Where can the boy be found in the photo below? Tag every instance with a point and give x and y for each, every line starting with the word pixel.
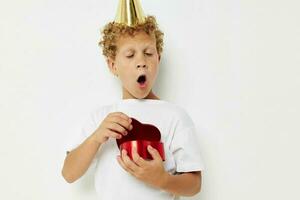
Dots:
pixel 132 45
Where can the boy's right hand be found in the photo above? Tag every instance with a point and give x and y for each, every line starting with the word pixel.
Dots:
pixel 114 125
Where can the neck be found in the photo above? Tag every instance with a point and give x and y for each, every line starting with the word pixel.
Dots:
pixel 151 95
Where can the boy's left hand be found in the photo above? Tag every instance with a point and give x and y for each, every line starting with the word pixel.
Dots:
pixel 151 172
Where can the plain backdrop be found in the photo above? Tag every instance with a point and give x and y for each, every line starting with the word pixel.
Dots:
pixel 232 64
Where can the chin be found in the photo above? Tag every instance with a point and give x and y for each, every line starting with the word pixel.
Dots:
pixel 136 93
pixel 141 96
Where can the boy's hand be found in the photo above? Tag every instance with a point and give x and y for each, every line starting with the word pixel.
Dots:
pixel 114 125
pixel 151 172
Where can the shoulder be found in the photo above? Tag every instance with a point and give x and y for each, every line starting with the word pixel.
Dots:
pixel 100 112
pixel 103 109
pixel 180 114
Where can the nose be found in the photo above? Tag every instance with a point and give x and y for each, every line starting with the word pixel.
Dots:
pixel 141 65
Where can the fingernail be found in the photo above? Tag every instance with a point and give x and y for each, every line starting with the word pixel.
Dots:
pixel 125 133
pixel 131 127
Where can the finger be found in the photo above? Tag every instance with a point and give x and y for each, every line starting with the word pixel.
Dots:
pixel 119 120
pixel 154 153
pixel 123 115
pixel 116 127
pixel 113 134
pixel 137 158
pixel 121 162
pixel 128 162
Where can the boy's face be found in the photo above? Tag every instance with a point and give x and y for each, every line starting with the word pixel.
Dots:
pixel 136 55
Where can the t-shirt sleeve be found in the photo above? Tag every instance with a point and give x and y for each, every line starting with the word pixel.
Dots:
pixel 78 137
pixel 87 128
pixel 185 147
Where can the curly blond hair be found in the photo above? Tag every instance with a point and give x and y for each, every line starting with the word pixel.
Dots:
pixel 112 31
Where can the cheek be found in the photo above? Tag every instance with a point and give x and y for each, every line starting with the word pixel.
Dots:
pixel 154 63
pixel 121 66
pixel 125 73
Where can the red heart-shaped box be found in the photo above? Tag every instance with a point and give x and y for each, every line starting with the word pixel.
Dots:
pixel 141 148
pixel 141 136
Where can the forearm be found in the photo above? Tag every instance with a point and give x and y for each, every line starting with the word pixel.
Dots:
pixel 77 161
pixel 186 184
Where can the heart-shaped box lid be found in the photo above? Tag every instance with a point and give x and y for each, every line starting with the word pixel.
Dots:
pixel 140 131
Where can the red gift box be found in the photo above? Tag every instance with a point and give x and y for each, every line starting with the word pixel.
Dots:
pixel 141 136
pixel 141 148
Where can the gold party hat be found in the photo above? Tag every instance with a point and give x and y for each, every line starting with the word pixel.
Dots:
pixel 130 13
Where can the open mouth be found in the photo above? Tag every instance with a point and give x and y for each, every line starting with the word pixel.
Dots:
pixel 141 79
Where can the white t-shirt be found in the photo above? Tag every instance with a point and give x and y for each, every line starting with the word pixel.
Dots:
pixel 177 133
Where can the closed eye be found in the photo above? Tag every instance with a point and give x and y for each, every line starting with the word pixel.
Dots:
pixel 149 54
pixel 130 56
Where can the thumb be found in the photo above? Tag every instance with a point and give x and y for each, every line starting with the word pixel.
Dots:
pixel 154 153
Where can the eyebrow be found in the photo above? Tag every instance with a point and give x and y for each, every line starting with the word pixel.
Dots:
pixel 132 49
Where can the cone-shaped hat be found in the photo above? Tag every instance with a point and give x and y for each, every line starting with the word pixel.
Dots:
pixel 130 12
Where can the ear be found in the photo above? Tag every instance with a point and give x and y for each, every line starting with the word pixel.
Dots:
pixel 111 65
